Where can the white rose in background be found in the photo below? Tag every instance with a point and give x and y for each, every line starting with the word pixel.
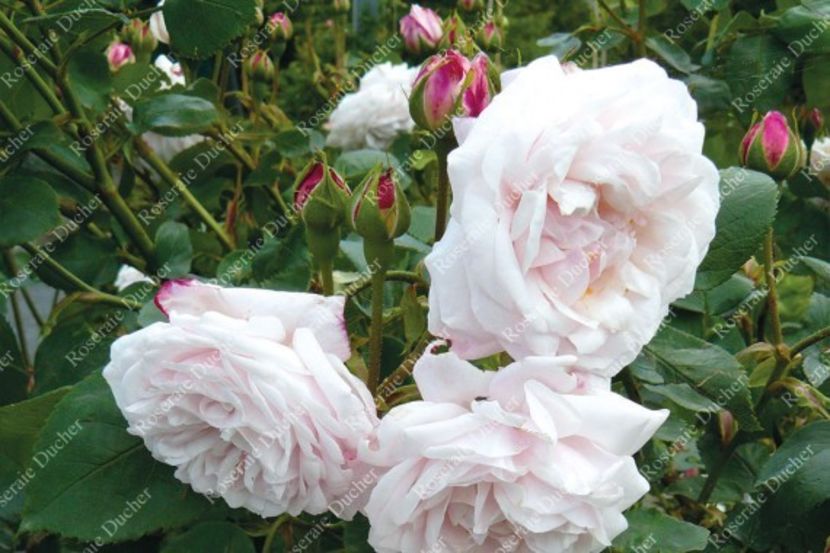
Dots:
pixel 377 112
pixel 820 160
pixel 127 276
pixel 533 458
pixel 582 206
pixel 158 27
pixel 245 392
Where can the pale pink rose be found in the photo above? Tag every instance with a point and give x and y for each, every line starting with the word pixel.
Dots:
pixel 582 206
pixel 533 458
pixel 245 392
pixel 421 29
pixel 157 25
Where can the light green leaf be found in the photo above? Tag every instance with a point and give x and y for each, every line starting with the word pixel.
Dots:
pixel 655 532
pixel 174 115
pixel 174 249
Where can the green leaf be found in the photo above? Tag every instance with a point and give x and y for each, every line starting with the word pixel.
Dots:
pixel 748 203
pixel 21 422
pixel 414 316
pixel 760 71
pixel 816 81
pixel 283 263
pixel 819 267
pixel 794 293
pixel 795 484
pixel 28 209
pixel 684 396
pixel 711 371
pixel 90 472
pixel 174 115
pixel 73 351
pixel 655 532
pixel 90 258
pixel 211 537
pixel 13 377
pixel 805 28
pixel 671 53
pixel 198 28
pixel 90 78
pixel 174 249
pixel 356 535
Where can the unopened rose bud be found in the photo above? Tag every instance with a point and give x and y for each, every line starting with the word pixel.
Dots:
pixel 380 213
pixel 139 37
pixel 490 36
pixel 455 32
pixel 259 67
pixel 471 5
pixel 773 148
pixel 726 426
pixel 280 28
pixel 421 30
pixel 342 6
pixel 449 84
pixel 119 54
pixel 321 197
pixel 810 123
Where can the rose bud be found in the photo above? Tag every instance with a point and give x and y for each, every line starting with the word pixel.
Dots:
pixel 490 36
pixel 455 32
pixel 259 67
pixel 119 54
pixel 726 427
pixel 380 213
pixel 471 5
pixel 321 197
pixel 449 84
pixel 138 35
pixel 421 30
pixel 810 123
pixel 773 148
pixel 280 28
pixel 342 6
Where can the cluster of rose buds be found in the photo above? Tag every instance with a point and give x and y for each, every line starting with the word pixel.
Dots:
pixel 771 146
pixel 450 85
pixel 424 31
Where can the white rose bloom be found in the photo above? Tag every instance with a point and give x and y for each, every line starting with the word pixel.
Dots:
pixel 245 392
pixel 820 160
pixel 582 206
pixel 377 112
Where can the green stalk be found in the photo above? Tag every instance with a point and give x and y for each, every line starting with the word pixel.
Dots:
pixel 11 263
pixel 376 331
pixel 42 87
pixel 76 281
pixel 327 276
pixel 175 182
pixel 26 45
pixel 772 290
pixel 443 202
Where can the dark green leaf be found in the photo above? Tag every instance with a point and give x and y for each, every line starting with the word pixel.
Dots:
pixel 174 115
pixel 748 203
pixel 174 249
pixel 211 537
pixel 652 531
pixel 90 472
pixel 760 71
pixel 28 209
pixel 198 28
pixel 805 29
pixel 711 371
pixel 74 351
pixel 671 53
pixel 13 377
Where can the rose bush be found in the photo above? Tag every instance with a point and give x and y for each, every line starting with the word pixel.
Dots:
pixel 354 276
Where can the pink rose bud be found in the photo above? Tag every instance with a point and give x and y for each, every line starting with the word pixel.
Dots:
pixel 119 54
pixel 139 37
pixel 449 84
pixel 280 27
pixel 259 67
pixel 490 36
pixel 773 148
pixel 810 123
pixel 321 197
pixel 455 32
pixel 470 5
pixel 421 29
